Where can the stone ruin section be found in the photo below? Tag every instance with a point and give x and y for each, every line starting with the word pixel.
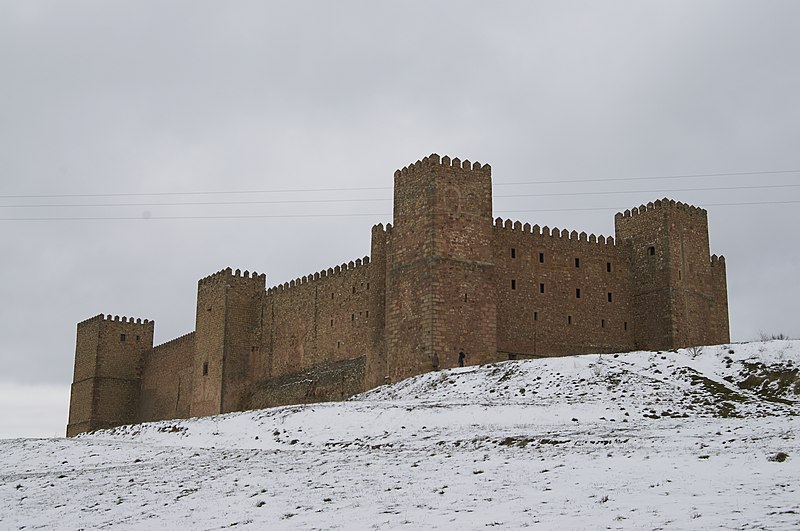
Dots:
pixel 445 285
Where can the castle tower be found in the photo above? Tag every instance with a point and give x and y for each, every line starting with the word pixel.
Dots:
pixel 440 294
pixel 227 335
pixel 105 384
pixel 679 299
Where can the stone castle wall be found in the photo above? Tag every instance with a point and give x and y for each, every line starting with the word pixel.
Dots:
pixel 444 285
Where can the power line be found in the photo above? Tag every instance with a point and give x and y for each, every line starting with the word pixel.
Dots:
pixel 364 188
pixel 368 200
pixel 380 215
pixel 652 177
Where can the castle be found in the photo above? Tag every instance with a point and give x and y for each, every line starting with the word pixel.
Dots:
pixel 443 286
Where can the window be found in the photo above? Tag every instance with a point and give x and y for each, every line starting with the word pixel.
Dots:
pixel 137 338
pixel 331 323
pixel 513 253
pixel 651 250
pixel 610 297
pixel 353 317
pixel 338 344
pixel 354 289
pixel 577 262
pixel 461 357
pixel 367 314
pixel 535 316
pixel 569 319
pixel 541 258
pixel 626 325
pixel 122 338
pixel 602 323
pixel 331 295
pixel 465 297
pixel 577 293
pixel 541 288
pixel 513 284
pixel 367 286
pixel 608 267
pixel 205 368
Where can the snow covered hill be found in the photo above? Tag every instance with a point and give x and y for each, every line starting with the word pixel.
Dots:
pixel 689 440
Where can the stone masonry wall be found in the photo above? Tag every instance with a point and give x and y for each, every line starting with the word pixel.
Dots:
pixel 560 293
pixel 166 387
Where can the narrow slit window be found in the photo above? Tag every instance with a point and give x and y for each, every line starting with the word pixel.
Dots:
pixel 651 250
pixel 367 314
pixel 513 253
pixel 535 316
pixel 541 288
pixel 577 293
pixel 353 317
pixel 465 297
pixel 205 368
pixel 577 262
pixel 625 325
pixel 541 258
pixel 610 297
pixel 569 319
pixel 331 323
pixel 608 267
pixel 367 286
pixel 354 289
pixel 122 338
pixel 513 284
pixel 602 323
pixel 338 344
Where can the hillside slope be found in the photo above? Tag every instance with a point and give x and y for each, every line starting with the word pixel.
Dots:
pixel 637 440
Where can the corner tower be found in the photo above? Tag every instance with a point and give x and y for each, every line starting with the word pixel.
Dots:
pixel 678 291
pixel 440 295
pixel 105 384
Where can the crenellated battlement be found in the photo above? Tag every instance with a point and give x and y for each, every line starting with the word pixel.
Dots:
pixel 117 319
pixel 660 204
pixel 178 339
pixel 717 261
pixel 237 275
pixel 331 272
pixel 565 235
pixel 435 161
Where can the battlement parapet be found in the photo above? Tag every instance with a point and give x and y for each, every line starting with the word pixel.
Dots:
pixel 659 205
pixel 565 235
pixel 178 339
pixel 717 261
pixel 345 268
pixel 435 161
pixel 237 276
pixel 117 319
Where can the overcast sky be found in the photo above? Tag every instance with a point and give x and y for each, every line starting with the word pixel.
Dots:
pixel 139 97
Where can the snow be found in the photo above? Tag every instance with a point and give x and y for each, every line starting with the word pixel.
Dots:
pixel 638 440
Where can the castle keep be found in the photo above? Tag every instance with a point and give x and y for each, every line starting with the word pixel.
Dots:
pixel 444 285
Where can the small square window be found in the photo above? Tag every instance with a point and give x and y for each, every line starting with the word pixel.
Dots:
pixel 651 251
pixel 122 338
